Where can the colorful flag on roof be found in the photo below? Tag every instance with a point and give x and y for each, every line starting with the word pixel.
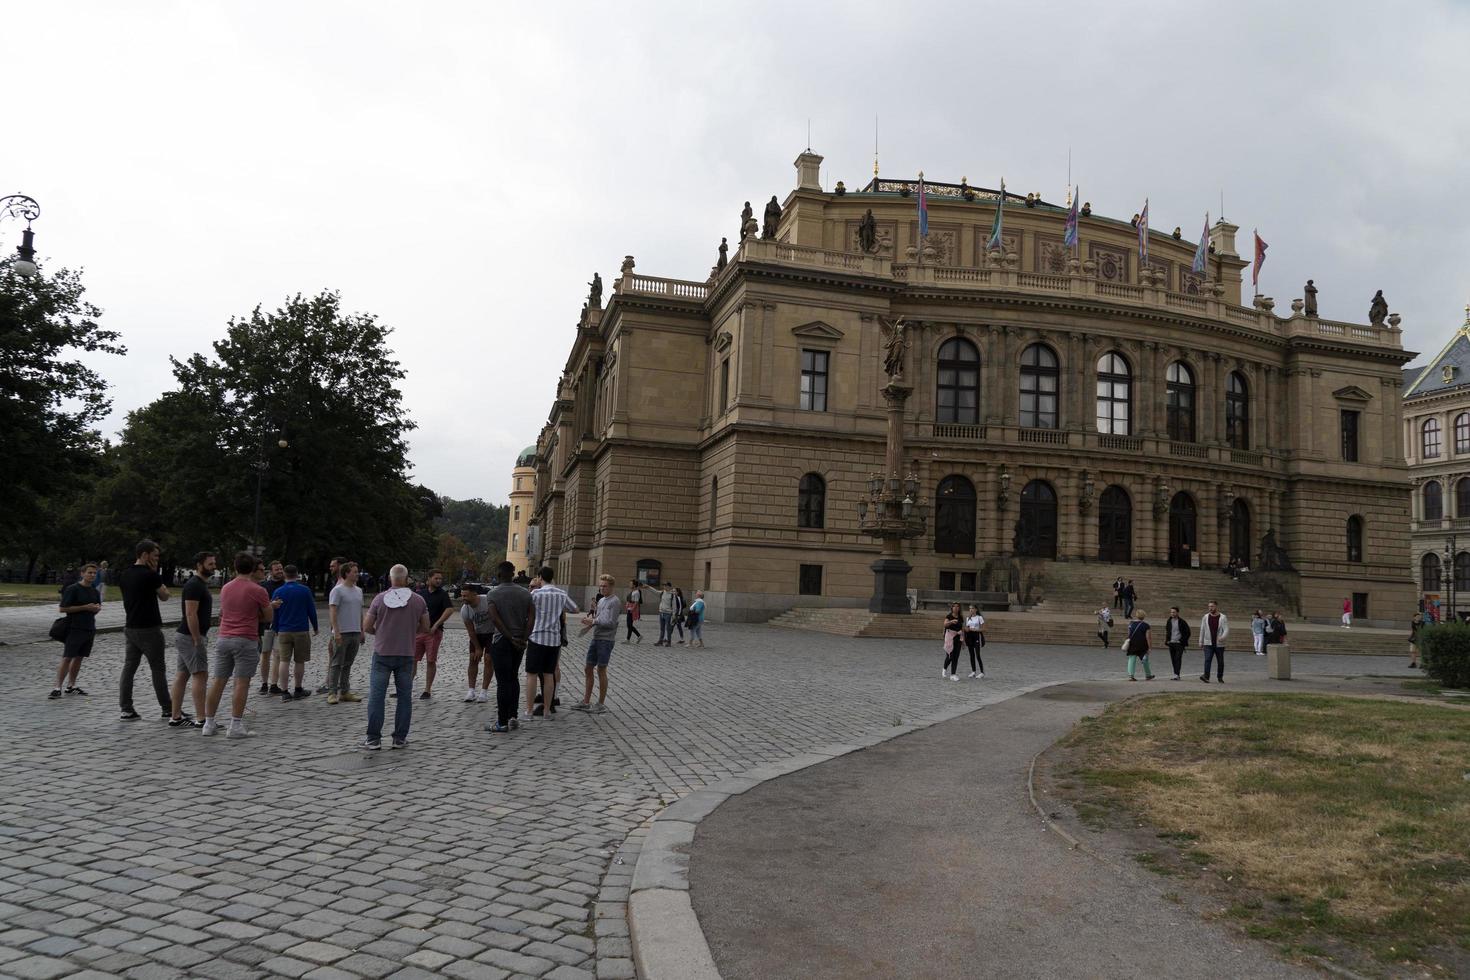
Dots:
pixel 1260 258
pixel 1204 247
pixel 995 227
pixel 923 208
pixel 1143 233
pixel 1069 237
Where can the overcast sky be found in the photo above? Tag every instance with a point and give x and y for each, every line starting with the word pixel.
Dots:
pixel 461 169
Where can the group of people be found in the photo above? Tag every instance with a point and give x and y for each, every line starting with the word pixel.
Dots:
pixel 266 613
pixel 1214 627
pixel 673 614
pixel 1125 596
pixel 963 629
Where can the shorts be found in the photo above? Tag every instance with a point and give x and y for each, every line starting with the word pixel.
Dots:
pixel 293 646
pixel 542 659
pixel 484 640
pixel 599 652
pixel 234 656
pixel 78 643
pixel 193 658
pixel 427 645
pixel 267 641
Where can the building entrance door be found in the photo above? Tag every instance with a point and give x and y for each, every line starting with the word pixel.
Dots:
pixel 1115 527
pixel 1183 537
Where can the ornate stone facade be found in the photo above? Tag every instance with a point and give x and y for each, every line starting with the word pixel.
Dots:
pixel 721 434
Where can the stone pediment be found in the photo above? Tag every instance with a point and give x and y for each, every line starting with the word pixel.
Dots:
pixel 723 341
pixel 1352 393
pixel 817 330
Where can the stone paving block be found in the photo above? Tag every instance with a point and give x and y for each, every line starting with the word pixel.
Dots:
pixel 218 969
pixel 287 967
pixel 55 946
pixel 388 949
pixel 515 962
pixel 411 973
pixel 329 973
pixel 153 971
pixel 118 962
pixel 570 973
pixel 317 952
pixel 428 959
pixel 459 948
pixel 38 968
pixel 182 957
pixel 616 969
pixel 554 952
pixel 469 970
pixel 366 965
pixel 240 931
pixel 179 934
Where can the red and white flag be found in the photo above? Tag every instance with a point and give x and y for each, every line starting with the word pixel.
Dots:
pixel 1260 259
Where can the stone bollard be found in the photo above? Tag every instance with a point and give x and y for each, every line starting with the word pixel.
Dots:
pixel 1278 661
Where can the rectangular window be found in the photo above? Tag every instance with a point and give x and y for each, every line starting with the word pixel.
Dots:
pixel 1360 605
pixel 1348 424
pixel 518 512
pixel 706 576
pixel 946 581
pixel 810 580
pixel 814 380
pixel 515 543
pixel 724 385
pixel 967 581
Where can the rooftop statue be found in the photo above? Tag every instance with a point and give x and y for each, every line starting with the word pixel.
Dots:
pixel 868 232
pixel 773 218
pixel 895 346
pixel 747 222
pixel 1378 312
pixel 594 296
pixel 1310 299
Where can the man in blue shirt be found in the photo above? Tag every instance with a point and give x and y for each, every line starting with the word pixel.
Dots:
pixel 293 643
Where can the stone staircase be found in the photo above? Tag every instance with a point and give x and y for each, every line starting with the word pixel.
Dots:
pixel 1079 588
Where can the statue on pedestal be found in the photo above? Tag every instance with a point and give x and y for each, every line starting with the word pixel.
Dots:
pixel 1273 556
pixel 895 346
pixel 1378 312
pixel 724 255
pixel 747 221
pixel 867 232
pixel 1309 299
pixel 773 218
pixel 594 297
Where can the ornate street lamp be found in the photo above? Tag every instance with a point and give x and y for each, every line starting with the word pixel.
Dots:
pixel 21 206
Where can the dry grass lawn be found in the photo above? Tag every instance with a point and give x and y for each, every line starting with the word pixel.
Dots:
pixel 1348 819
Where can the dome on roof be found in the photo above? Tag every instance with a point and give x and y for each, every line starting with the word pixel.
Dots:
pixel 527 457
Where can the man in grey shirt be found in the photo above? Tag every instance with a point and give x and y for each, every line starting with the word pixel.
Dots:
pixel 344 605
pixel 602 619
pixel 510 611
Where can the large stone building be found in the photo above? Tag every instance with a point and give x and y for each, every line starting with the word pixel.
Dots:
pixel 1436 409
pixel 1069 405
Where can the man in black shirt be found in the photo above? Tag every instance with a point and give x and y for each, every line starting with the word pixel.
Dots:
pixel 276 579
pixel 80 604
pixel 190 642
pixel 142 587
pixel 426 645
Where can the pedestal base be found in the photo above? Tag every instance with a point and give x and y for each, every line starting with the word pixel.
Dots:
pixel 1278 662
pixel 890 586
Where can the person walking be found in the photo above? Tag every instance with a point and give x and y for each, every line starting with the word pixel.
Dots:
pixel 954 622
pixel 479 627
pixel 678 614
pixel 1104 624
pixel 397 615
pixel 543 648
pixel 426 645
pixel 1130 598
pixel 602 619
pixel 511 611
pixel 1213 629
pixel 329 582
pixel 344 614
pixel 1347 612
pixel 1414 626
pixel 243 606
pixel 80 604
pixel 1258 633
pixel 974 637
pixel 696 619
pixel 1176 636
pixel 191 643
pixel 665 616
pixel 295 614
pixel 142 587
pixel 635 611
pixel 275 580
pixel 1137 646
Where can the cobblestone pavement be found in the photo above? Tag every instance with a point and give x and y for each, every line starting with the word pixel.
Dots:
pixel 131 849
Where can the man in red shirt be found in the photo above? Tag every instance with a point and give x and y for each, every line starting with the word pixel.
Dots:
pixel 243 606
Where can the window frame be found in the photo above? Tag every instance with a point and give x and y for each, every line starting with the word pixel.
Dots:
pixel 1180 398
pixel 1426 561
pixel 1462 433
pixel 804 572
pixel 1431 438
pixel 809 399
pixel 1437 497
pixel 951 494
pixel 1113 380
pixel 1237 411
pixel 1031 415
pixel 956 367
pixel 811 502
pixel 1348 427
pixel 1355 535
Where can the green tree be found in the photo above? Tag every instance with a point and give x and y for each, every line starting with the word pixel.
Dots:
pixel 49 402
pixel 481 526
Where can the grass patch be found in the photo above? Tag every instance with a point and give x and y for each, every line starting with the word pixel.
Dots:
pixel 1346 821
pixel 28 594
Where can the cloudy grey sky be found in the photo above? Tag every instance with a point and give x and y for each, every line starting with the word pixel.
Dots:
pixel 461 169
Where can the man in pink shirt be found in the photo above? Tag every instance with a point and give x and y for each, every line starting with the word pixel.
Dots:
pixel 243 606
pixel 396 616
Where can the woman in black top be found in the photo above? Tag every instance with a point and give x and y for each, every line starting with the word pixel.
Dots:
pixel 80 604
pixel 1415 625
pixel 635 611
pixel 1137 646
pixel 953 625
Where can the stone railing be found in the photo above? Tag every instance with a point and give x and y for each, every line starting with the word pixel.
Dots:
pixel 655 286
pixel 783 253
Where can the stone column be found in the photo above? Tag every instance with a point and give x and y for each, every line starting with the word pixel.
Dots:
pixel 1216 399
pixel 1146 421
pixel 1067 527
pixel 1161 524
pixel 1071 407
pixel 992 367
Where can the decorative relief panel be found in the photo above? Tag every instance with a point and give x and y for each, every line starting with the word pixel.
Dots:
pixel 1112 263
pixel 1191 282
pixel 944 239
pixel 887 234
pixel 1010 242
pixel 1051 255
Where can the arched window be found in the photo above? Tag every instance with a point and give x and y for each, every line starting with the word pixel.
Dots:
pixel 1039 387
pixel 1179 390
pixel 1114 395
pixel 958 389
pixel 1433 501
pixel 1355 538
pixel 811 501
pixel 1183 531
pixel 1429 568
pixel 1237 412
pixel 1462 571
pixel 1240 531
pixel 954 516
pixel 1115 526
pixel 1036 531
pixel 1431 438
pixel 1462 498
pixel 1462 433
pixel 714 500
pixel 650 571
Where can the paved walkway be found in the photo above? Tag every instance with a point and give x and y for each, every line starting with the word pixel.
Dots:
pixel 131 849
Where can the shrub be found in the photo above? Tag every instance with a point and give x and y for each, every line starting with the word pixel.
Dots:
pixel 1445 652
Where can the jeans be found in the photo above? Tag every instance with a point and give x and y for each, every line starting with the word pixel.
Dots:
pixel 506 660
pixel 665 627
pixel 401 670
pixel 632 630
pixel 339 675
pixel 1176 655
pixel 972 644
pixel 1133 664
pixel 696 630
pixel 1218 653
pixel 144 642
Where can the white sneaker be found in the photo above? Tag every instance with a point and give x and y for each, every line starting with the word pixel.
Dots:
pixel 527 716
pixel 209 727
pixel 240 732
pixel 470 694
pixel 972 673
pixel 482 696
pixel 980 674
pixel 954 677
pixel 943 672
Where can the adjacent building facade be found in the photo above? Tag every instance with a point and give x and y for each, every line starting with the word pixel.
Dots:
pixel 522 501
pixel 1070 404
pixel 1436 409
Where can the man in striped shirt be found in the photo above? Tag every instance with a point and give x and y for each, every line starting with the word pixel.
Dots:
pixel 543 648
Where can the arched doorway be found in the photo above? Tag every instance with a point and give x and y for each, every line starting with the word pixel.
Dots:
pixel 954 516
pixel 1115 526
pixel 1036 531
pixel 1240 531
pixel 1183 531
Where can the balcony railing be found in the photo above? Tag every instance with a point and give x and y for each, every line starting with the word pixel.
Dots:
pixel 1046 437
pixel 1188 450
pixel 1131 444
pixel 958 431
